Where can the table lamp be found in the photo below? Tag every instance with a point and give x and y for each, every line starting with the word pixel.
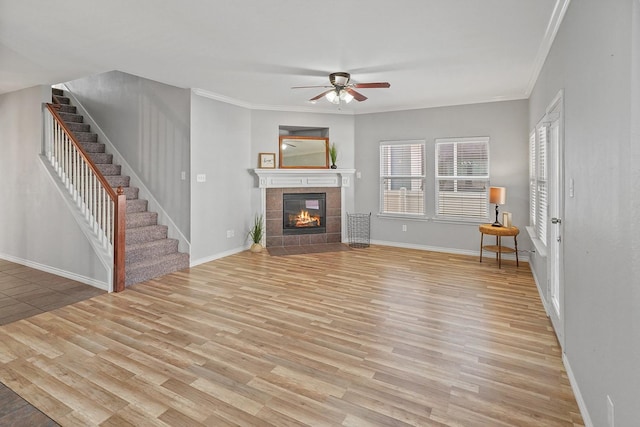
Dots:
pixel 497 195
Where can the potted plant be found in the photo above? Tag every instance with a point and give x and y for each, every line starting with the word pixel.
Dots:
pixel 333 153
pixel 256 233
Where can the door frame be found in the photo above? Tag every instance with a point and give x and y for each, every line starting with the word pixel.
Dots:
pixel 554 118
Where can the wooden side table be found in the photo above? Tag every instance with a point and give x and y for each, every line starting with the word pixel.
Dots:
pixel 499 232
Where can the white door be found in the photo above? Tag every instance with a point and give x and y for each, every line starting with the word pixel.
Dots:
pixel 555 217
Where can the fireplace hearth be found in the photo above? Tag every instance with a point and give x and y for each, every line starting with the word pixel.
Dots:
pixel 303 213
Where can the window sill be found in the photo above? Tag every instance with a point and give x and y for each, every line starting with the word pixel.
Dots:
pixel 424 218
pixel 403 217
pixel 540 248
pixel 461 221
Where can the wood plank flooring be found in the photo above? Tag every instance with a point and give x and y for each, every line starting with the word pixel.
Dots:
pixel 370 337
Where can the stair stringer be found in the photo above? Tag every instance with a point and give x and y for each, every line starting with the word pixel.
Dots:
pixel 144 193
pixel 104 254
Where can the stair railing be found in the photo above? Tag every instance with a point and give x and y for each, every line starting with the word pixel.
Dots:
pixel 103 207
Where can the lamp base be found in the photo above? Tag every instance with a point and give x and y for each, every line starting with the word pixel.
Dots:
pixel 496 223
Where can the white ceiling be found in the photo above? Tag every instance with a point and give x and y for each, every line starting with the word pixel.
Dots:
pixel 250 53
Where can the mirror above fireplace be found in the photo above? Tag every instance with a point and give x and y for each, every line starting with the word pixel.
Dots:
pixel 303 147
pixel 300 152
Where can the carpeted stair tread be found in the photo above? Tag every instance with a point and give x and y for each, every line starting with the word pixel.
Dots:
pixel 70 117
pixel 118 180
pixel 130 192
pixel 141 219
pixel 62 99
pixel 86 137
pixel 145 234
pixel 109 169
pixel 56 91
pixel 140 251
pixel 65 108
pixel 92 147
pixel 78 127
pixel 101 157
pixel 136 205
pixel 156 267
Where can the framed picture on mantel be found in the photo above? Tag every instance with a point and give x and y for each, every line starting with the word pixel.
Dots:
pixel 267 160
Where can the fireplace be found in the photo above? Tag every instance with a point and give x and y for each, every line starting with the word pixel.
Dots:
pixel 303 213
pixel 274 210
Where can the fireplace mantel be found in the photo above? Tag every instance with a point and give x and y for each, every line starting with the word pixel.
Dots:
pixel 300 178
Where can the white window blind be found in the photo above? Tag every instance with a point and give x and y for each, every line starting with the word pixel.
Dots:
pixel 402 177
pixel 532 180
pixel 462 178
pixel 542 186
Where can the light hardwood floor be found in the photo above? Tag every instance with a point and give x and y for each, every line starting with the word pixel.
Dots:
pixel 367 337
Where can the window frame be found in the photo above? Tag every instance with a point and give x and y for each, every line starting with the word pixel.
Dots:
pixel 456 177
pixel 382 212
pixel 539 183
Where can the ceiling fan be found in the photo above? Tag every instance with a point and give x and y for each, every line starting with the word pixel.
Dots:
pixel 342 89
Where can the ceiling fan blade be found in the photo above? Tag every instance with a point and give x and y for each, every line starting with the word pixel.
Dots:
pixel 315 98
pixel 371 85
pixel 356 95
pixel 307 87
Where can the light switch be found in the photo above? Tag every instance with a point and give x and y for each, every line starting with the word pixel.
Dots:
pixel 571 188
pixel 201 177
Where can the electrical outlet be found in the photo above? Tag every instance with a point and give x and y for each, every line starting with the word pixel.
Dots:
pixel 230 234
pixel 183 175
pixel 359 175
pixel 404 227
pixel 610 417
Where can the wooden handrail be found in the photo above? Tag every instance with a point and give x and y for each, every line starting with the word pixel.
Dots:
pixel 117 197
pixel 112 193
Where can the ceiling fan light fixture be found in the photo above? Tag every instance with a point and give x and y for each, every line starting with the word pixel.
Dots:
pixel 346 96
pixel 333 97
pixel 339 79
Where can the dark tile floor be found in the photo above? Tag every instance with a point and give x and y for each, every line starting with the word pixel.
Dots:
pixel 25 292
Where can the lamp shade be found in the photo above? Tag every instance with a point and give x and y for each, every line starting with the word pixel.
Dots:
pixel 497 195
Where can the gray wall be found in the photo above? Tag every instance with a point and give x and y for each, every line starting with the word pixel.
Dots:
pixel 36 228
pixel 221 150
pixel 148 123
pixel 505 123
pixel 591 59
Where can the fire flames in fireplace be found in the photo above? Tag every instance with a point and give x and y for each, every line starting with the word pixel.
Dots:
pixel 303 213
pixel 303 219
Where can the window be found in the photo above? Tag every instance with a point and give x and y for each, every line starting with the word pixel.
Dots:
pixel 402 177
pixel 533 182
pixel 538 192
pixel 462 178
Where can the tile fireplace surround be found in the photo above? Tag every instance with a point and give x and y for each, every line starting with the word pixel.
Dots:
pixel 274 183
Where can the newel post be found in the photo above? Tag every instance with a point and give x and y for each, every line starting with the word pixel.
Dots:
pixel 120 207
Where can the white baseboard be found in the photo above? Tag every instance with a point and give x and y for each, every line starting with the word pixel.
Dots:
pixel 53 270
pixel 443 249
pixel 576 391
pixel 214 257
pixel 542 298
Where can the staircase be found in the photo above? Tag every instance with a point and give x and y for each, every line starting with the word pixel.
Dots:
pixel 149 253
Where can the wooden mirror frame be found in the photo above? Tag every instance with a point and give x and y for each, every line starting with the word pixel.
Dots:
pixel 315 160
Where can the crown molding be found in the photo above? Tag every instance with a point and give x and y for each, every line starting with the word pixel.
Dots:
pixel 559 10
pixel 228 100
